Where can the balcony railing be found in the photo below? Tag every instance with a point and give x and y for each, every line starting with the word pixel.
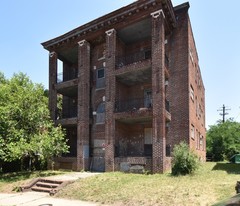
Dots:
pixel 135 104
pixel 69 113
pixel 63 77
pixel 132 105
pixel 136 57
pixel 131 58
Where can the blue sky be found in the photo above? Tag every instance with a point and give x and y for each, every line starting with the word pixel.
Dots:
pixel 25 24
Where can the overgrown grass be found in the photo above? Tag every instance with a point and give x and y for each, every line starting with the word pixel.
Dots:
pixel 10 181
pixel 212 183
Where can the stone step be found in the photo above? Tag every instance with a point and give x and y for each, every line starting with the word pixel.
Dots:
pixel 41 189
pixel 47 184
pixel 51 181
pixel 50 186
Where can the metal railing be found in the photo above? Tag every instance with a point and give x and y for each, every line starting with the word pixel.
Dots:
pixel 131 58
pixel 135 104
pixel 132 104
pixel 63 77
pixel 69 112
pixel 135 57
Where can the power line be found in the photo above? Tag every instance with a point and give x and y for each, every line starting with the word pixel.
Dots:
pixel 224 113
pixel 238 115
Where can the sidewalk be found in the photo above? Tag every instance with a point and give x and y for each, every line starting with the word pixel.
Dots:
pixel 38 199
pixel 44 199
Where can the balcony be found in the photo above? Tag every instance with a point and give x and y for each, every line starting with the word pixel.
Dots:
pixel 132 105
pixel 67 113
pixel 132 58
pixel 136 104
pixel 63 77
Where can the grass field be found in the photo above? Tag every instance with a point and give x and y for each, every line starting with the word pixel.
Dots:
pixel 212 183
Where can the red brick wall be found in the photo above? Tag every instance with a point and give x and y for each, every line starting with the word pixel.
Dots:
pixel 197 104
pixel 83 106
pixel 178 82
pixel 130 139
pixel 158 90
pixel 183 68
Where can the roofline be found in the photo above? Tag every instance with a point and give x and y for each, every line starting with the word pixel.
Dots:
pixel 111 18
pixel 185 5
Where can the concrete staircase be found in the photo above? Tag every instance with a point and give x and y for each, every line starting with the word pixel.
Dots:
pixel 45 185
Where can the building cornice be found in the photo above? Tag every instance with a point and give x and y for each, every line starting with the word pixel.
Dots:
pixel 113 18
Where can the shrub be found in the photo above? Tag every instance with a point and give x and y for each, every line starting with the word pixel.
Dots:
pixel 185 161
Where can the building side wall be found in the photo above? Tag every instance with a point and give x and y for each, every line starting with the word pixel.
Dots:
pixel 178 129
pixel 196 100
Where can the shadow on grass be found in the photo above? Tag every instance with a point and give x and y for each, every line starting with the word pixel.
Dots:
pixel 230 168
pixel 17 176
pixel 233 201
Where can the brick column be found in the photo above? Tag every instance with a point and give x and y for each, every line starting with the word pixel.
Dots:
pixel 83 106
pixel 110 99
pixel 52 84
pixel 158 91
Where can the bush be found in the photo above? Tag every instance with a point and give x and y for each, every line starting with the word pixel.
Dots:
pixel 184 161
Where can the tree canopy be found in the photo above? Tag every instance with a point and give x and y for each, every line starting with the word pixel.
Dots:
pixel 25 125
pixel 223 140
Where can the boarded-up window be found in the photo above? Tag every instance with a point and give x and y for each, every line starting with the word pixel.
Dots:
pixel 100 118
pixel 148 136
pixel 100 80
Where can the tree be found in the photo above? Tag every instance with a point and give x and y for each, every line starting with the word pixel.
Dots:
pixel 25 126
pixel 185 161
pixel 223 140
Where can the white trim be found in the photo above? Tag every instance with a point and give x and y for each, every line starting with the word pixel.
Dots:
pixel 81 43
pixel 156 14
pixel 51 54
pixel 110 32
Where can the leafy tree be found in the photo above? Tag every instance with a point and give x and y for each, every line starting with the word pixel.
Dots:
pixel 2 78
pixel 185 161
pixel 25 126
pixel 223 140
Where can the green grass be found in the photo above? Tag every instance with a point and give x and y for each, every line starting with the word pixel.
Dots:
pixel 212 183
pixel 10 181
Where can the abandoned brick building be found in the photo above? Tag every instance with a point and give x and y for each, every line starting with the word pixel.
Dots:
pixel 127 87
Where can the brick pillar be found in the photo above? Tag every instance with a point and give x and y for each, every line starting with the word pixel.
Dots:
pixel 83 106
pixel 110 99
pixel 158 91
pixel 52 85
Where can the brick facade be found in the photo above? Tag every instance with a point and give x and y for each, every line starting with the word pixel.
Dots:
pixel 131 89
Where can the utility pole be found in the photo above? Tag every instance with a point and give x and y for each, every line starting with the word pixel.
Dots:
pixel 224 113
